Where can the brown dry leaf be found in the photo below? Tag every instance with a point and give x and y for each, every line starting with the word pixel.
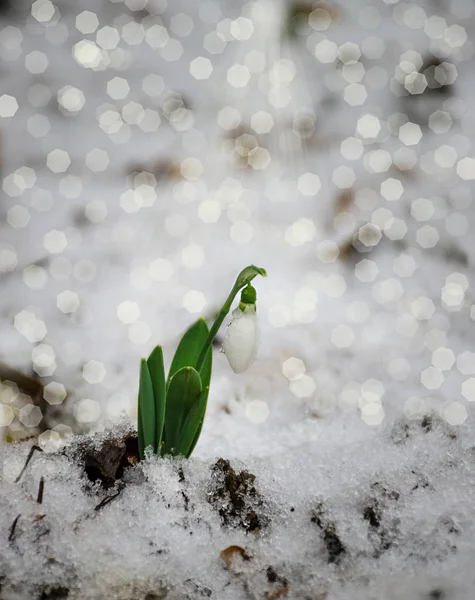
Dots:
pixel 28 384
pixel 14 437
pixel 344 200
pixel 166 168
pixel 347 250
pixel 132 449
pixel 105 462
pixel 240 144
pixel 302 8
pixel 352 248
pixel 318 13
pixel 279 592
pixel 279 586
pixel 245 148
pixel 38 518
pixel 163 169
pixel 237 132
pixel 322 11
pixel 235 557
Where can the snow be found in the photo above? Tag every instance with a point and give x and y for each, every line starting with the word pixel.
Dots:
pixel 357 412
pixel 397 504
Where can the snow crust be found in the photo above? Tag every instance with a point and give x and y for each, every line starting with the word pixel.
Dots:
pixel 389 517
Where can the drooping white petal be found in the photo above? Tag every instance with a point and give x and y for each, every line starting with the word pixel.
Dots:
pixel 242 339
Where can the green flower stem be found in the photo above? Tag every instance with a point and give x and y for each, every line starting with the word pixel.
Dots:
pixel 244 277
pixel 215 328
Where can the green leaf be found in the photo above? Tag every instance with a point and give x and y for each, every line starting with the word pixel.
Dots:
pixel 140 433
pixel 248 274
pixel 193 424
pixel 189 348
pixel 205 372
pixel 205 375
pixel 146 409
pixel 183 393
pixel 157 374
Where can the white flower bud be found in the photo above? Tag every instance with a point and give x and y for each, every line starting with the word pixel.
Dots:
pixel 242 338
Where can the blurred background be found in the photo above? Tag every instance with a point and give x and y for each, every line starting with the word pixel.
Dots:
pixel 151 149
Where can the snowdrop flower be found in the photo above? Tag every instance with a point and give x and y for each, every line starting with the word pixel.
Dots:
pixel 242 337
pixel 171 410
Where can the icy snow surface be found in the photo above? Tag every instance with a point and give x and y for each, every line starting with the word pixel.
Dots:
pixel 356 417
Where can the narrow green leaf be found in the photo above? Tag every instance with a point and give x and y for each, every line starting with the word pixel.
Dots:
pixel 157 374
pixel 183 392
pixel 189 348
pixel 205 375
pixel 140 433
pixel 146 410
pixel 193 425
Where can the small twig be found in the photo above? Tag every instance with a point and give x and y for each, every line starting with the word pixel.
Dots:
pixel 28 458
pixel 108 499
pixel 41 534
pixel 41 487
pixel 12 528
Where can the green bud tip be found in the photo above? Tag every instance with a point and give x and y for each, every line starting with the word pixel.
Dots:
pixel 248 296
